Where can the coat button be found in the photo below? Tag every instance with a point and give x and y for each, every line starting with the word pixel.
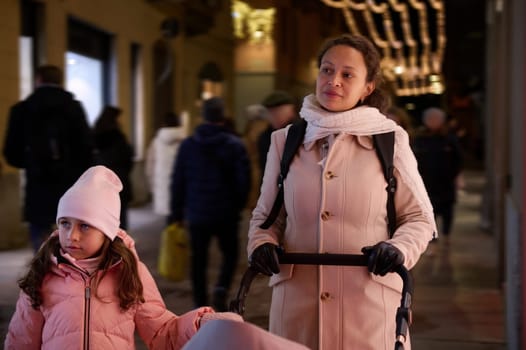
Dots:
pixel 325 296
pixel 330 175
pixel 325 215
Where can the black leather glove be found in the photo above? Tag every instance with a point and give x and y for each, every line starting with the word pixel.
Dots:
pixel 264 259
pixel 382 258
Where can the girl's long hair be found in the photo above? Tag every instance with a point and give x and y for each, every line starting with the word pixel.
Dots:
pixel 129 286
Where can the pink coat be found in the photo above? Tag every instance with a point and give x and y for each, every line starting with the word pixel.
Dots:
pixel 60 322
pixel 338 207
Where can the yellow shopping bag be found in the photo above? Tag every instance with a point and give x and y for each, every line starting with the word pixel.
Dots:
pixel 173 254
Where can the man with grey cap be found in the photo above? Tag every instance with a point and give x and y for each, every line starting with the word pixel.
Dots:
pixel 281 112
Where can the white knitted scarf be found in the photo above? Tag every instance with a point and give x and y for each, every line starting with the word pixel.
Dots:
pixel 362 121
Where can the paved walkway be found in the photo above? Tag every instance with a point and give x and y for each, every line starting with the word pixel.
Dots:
pixel 457 304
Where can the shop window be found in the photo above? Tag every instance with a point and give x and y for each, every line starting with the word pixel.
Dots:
pixel 87 69
pixel 84 79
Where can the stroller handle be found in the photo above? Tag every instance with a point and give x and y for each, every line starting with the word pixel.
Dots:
pixel 344 260
pixel 403 313
pixel 321 259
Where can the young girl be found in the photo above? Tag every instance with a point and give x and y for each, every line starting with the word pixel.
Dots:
pixel 86 287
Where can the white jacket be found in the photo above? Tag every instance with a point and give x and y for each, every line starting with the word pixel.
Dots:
pixel 159 165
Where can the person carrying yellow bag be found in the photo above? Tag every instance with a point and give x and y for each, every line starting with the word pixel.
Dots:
pixel 209 190
pixel 173 256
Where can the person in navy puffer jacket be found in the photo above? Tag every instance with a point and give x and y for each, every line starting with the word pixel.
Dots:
pixel 209 189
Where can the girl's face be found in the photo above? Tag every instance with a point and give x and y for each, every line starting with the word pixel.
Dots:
pixel 341 81
pixel 79 239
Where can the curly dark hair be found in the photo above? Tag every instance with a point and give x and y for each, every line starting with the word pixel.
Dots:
pixel 129 289
pixel 371 58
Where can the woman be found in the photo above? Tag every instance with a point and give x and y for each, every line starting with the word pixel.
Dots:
pixel 335 202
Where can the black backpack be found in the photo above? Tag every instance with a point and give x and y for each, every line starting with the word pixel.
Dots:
pixel 384 145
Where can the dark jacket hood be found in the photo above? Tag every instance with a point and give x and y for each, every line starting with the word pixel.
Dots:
pixel 211 135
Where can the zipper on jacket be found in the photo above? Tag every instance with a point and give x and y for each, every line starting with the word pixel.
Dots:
pixel 87 309
pixel 87 277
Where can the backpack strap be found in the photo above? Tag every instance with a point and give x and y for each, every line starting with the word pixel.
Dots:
pixel 384 145
pixel 292 144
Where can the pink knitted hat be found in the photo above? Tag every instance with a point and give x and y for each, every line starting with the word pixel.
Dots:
pixel 94 198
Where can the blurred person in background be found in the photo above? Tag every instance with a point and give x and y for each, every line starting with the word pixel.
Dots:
pixel 160 158
pixel 209 190
pixel 440 161
pixel 402 118
pixel 47 135
pixel 115 152
pixel 257 122
pixel 281 112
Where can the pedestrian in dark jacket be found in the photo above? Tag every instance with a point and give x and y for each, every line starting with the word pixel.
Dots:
pixel 115 152
pixel 48 136
pixel 281 112
pixel 439 157
pixel 210 185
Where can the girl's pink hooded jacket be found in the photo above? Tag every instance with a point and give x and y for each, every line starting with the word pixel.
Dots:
pixel 71 318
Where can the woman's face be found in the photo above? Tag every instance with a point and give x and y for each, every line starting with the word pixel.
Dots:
pixel 341 81
pixel 79 239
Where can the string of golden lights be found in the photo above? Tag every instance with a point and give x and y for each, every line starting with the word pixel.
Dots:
pixel 410 72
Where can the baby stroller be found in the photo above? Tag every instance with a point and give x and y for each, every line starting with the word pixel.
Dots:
pixel 403 313
pixel 234 335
